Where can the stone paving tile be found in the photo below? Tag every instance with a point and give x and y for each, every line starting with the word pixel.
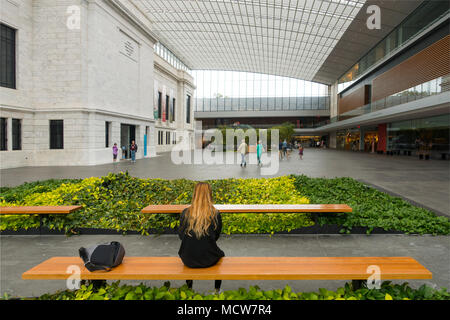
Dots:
pixel 425 182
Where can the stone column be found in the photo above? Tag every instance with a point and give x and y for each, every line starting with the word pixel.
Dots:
pixel 362 132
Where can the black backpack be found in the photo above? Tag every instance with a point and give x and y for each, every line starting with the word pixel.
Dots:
pixel 102 256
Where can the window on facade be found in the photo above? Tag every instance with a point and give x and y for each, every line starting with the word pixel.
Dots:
pixel 188 109
pixel 16 134
pixel 56 134
pixel 3 134
pixel 7 57
pixel 159 105
pixel 167 137
pixel 174 138
pixel 160 138
pixel 172 112
pixel 107 134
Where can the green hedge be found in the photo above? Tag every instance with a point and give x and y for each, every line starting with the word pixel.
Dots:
pixel 115 291
pixel 115 202
pixel 371 208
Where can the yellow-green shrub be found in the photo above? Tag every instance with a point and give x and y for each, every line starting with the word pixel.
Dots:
pixel 115 202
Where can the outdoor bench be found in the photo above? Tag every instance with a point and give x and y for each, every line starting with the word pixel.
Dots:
pixel 238 268
pixel 39 210
pixel 255 208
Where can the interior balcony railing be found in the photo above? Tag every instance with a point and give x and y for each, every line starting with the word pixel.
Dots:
pixel 262 104
pixel 423 90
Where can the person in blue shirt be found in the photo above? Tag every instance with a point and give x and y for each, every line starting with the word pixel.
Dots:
pixel 259 150
pixel 284 148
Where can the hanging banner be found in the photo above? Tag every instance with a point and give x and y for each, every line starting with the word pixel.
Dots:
pixel 155 100
pixel 171 106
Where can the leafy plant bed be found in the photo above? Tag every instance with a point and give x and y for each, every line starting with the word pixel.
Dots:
pixel 316 229
pixel 114 203
pixel 371 208
pixel 115 291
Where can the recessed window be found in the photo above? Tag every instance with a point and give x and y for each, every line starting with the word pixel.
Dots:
pixel 56 134
pixel 159 105
pixel 167 137
pixel 3 134
pixel 16 134
pixel 172 112
pixel 7 57
pixel 107 134
pixel 188 109
pixel 160 138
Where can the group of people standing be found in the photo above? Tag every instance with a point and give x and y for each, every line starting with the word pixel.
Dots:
pixel 283 151
pixel 133 150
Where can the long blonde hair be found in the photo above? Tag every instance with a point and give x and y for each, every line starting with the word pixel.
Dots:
pixel 201 212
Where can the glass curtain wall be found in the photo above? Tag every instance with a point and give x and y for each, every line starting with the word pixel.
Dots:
pixel 219 90
pixel 429 12
pixel 423 137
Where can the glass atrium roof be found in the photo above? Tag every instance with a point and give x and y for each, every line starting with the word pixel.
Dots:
pixel 281 37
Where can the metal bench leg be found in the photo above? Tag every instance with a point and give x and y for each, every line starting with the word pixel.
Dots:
pixel 217 284
pixel 40 224
pixel 357 284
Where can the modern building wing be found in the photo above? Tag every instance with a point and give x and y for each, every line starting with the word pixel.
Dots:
pixel 358 38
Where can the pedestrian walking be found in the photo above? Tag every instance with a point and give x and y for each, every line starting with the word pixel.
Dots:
pixel 300 152
pixel 284 148
pixel 243 150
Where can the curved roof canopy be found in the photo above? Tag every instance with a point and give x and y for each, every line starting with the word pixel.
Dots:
pixel 281 37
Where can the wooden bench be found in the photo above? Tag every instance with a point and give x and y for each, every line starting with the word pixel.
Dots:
pixel 39 210
pixel 239 268
pixel 255 208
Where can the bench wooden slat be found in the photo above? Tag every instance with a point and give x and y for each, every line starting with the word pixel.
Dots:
pixel 39 210
pixel 254 208
pixel 238 268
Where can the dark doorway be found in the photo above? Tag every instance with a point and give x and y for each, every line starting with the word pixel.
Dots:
pixel 127 134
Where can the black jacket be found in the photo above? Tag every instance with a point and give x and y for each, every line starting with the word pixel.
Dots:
pixel 203 252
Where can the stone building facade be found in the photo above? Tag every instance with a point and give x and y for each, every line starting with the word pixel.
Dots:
pixel 92 65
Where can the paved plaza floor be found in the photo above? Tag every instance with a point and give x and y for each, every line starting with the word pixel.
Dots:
pixel 424 182
pixel 20 253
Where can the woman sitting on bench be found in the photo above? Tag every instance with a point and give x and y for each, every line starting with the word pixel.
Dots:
pixel 200 227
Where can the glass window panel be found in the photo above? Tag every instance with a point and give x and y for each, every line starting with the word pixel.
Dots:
pixel 3 134
pixel 16 134
pixel 56 134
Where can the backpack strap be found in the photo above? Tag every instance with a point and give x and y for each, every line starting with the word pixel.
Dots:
pixel 95 267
